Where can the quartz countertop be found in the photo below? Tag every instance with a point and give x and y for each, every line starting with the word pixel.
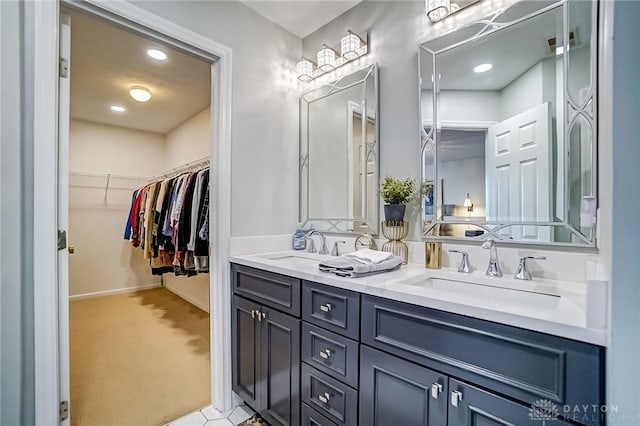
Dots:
pixel 554 307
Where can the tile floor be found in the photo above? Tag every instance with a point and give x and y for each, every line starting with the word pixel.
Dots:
pixel 209 416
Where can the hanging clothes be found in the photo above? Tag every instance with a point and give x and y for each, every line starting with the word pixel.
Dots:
pixel 167 220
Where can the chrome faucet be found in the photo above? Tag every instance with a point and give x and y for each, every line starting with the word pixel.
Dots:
pixel 494 269
pixel 336 248
pixel 523 272
pixel 323 247
pixel 464 266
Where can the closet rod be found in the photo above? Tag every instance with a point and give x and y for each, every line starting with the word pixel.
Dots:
pixel 108 175
pixel 190 166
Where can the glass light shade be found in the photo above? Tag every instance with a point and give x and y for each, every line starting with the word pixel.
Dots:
pixel 350 46
pixel 304 70
pixel 438 9
pixel 468 203
pixel 140 94
pixel 326 59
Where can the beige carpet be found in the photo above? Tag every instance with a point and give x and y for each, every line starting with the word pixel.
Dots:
pixel 137 359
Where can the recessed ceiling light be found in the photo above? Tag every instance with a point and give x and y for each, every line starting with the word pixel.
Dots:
pixel 140 93
pixel 117 108
pixel 157 54
pixel 483 68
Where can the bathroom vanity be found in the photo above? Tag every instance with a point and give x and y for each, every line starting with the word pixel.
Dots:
pixel 410 347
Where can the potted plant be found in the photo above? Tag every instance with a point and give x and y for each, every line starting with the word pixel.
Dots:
pixel 396 193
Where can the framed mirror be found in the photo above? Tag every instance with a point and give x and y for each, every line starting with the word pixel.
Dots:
pixel 508 131
pixel 339 162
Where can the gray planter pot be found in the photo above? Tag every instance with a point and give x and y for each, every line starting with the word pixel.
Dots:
pixel 394 212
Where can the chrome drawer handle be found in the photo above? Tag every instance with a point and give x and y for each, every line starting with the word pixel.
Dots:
pixel 436 389
pixel 456 397
pixel 326 307
pixel 325 354
pixel 324 398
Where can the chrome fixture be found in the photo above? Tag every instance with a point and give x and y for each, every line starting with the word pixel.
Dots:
pixel 352 47
pixel 523 272
pixel 323 247
pixel 336 248
pixel 494 269
pixel 437 10
pixel 311 246
pixel 464 265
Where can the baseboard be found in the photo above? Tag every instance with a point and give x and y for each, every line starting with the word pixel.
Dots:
pixel 188 298
pixel 114 291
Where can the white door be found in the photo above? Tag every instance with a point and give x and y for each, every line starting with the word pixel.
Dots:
pixel 63 209
pixel 518 164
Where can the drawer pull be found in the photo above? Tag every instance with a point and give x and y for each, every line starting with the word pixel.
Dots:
pixel 325 354
pixel 436 389
pixel 324 398
pixel 456 397
pixel 253 313
pixel 326 307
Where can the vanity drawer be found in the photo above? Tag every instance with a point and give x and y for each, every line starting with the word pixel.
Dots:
pixel 331 353
pixel 522 364
pixel 274 290
pixel 311 417
pixel 332 308
pixel 329 397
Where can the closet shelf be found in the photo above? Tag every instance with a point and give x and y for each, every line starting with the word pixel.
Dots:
pixel 106 180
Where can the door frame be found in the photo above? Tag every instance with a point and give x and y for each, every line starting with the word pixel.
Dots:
pixel 46 298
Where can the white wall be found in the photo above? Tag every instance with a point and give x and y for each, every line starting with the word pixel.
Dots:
pixel 264 112
pixel 188 142
pixel 103 260
pixel 464 105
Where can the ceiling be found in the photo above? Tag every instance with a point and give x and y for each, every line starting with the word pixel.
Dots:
pixel 107 60
pixel 301 17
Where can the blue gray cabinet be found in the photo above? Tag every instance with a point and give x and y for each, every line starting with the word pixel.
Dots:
pixel 266 361
pixel 398 392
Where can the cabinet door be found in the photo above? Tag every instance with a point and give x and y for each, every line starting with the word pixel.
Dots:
pixel 469 405
pixel 245 343
pixel 398 392
pixel 280 359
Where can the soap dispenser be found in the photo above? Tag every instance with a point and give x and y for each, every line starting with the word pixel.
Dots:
pixel 299 241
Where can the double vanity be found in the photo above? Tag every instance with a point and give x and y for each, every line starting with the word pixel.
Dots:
pixel 411 347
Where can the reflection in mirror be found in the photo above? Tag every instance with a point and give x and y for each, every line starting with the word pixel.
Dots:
pixel 339 155
pixel 504 131
pixel 427 138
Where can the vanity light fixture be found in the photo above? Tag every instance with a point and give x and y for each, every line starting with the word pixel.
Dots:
pixel 482 68
pixel 304 69
pixel 468 203
pixel 156 54
pixel 352 47
pixel 140 93
pixel 437 9
pixel 117 108
pixel 326 58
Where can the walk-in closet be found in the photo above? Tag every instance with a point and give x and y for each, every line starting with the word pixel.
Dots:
pixel 139 155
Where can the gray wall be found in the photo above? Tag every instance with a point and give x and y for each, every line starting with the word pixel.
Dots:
pixel 16 248
pixel 623 372
pixel 265 110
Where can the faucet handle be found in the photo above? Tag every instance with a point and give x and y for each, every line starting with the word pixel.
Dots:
pixel 464 265
pixel 523 271
pixel 336 248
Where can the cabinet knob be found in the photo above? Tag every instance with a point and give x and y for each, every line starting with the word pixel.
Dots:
pixel 324 398
pixel 253 313
pixel 325 354
pixel 326 307
pixel 456 397
pixel 436 389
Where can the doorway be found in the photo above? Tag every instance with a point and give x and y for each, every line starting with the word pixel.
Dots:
pixel 139 118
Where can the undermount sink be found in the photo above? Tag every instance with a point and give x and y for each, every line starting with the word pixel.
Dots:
pixel 296 260
pixel 469 292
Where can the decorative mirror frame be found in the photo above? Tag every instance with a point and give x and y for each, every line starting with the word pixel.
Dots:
pixel 339 225
pixel 572 111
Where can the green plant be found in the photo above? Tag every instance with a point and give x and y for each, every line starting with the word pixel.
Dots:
pixel 396 191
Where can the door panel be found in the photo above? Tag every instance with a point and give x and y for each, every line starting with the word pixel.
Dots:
pixel 245 350
pixel 473 406
pixel 519 172
pixel 397 392
pixel 280 358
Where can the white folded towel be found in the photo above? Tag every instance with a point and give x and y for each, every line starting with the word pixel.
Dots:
pixel 369 257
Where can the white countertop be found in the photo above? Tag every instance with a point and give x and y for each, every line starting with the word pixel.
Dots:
pixel 553 307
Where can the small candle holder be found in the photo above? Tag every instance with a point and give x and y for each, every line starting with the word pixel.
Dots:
pixel 394 232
